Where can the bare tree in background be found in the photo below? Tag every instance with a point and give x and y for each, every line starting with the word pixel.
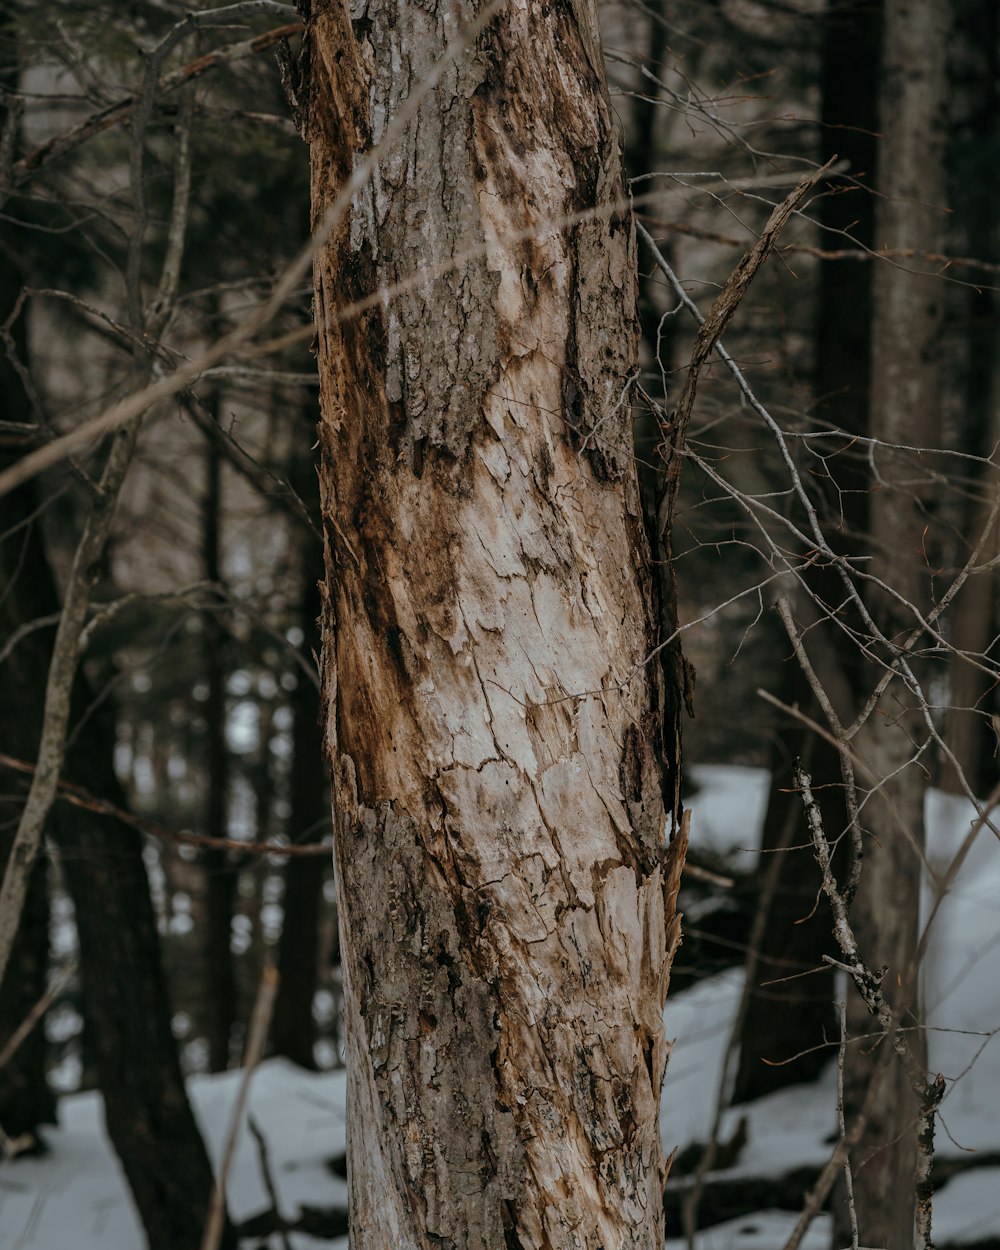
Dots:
pixel 906 398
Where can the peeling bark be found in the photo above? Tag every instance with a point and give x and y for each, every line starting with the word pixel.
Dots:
pixel 503 767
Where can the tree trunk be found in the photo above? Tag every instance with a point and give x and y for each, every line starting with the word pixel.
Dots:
pixel 905 410
pixel 971 735
pixel 503 768
pixel 220 871
pixel 26 1102
pixel 293 1031
pixel 126 1002
pixel 795 1017
pixel 127 1008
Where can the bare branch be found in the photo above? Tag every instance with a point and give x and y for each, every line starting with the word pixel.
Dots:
pixel 137 403
pixel 82 798
pixel 260 1020
pixel 119 112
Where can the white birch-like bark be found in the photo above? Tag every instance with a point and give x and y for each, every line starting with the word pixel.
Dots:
pixel 504 749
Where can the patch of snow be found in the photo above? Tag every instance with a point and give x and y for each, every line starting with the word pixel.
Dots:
pixel 77 1197
pixel 968 1208
pixel 961 983
pixel 727 812
pixel 764 1230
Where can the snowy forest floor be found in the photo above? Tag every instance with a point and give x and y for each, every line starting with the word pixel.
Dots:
pixel 76 1197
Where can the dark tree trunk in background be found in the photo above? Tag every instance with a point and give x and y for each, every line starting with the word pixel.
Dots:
pixel 788 1019
pixel 505 771
pixel 26 1101
pixel 906 401
pixel 975 151
pixel 127 1007
pixel 220 871
pixel 125 996
pixel 293 1030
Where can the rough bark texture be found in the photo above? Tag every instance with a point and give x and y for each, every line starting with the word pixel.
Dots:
pixel 503 772
pixel 905 410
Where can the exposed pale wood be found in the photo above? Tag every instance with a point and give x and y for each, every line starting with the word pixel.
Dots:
pixel 505 768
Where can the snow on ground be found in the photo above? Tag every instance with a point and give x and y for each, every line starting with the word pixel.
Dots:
pixel 962 977
pixel 764 1230
pixel 76 1197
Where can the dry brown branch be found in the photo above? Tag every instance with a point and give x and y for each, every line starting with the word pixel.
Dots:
pixel 260 1020
pixel 820 253
pixel 121 111
pixel 720 314
pixel 82 798
pixel 869 985
pixel 16 1039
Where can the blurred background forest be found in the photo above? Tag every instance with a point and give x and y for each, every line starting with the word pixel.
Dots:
pixel 155 186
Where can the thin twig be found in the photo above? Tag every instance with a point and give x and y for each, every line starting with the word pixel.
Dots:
pixel 720 314
pixel 268 1176
pixel 83 799
pixel 822 253
pixel 260 1019
pixel 841 1118
pixel 118 113
pixel 16 1039
pixel 126 409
